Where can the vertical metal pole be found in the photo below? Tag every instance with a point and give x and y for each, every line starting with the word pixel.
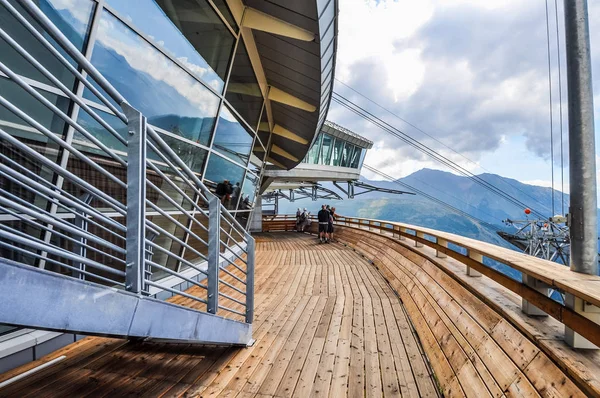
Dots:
pixel 214 238
pixel 250 279
pixel 583 225
pixel 136 199
pixel 78 248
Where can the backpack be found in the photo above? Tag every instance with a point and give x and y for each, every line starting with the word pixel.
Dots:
pixel 303 216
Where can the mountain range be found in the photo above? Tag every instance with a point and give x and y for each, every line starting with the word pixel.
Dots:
pixel 487 208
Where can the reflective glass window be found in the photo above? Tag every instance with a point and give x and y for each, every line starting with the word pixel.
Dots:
pixel 14 125
pixel 356 157
pixel 93 127
pixel 328 51
pixel 73 20
pixel 232 139
pixel 327 38
pixel 328 66
pixel 243 92
pixel 188 30
pixel 17 127
pixel 363 153
pixel 313 153
pixel 338 148
pixel 326 17
pixel 321 5
pixel 192 155
pixel 167 95
pixel 346 155
pixel 222 6
pixel 248 192
pixel 326 149
pixel 220 169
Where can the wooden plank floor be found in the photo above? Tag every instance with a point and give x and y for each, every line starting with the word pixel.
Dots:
pixel 326 324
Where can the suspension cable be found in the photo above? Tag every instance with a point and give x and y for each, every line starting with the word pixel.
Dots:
pixel 562 167
pixel 439 142
pixel 425 149
pixel 550 104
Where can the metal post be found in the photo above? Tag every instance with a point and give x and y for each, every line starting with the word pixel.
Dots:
pixel 79 248
pixel 250 279
pixel 136 199
pixel 214 238
pixel 583 224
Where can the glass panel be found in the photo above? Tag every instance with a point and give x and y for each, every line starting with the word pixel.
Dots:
pixel 327 68
pixel 313 153
pixel 338 148
pixel 243 92
pixel 221 176
pixel 347 154
pixel 363 153
pixel 326 17
pixel 248 192
pixel 328 51
pixel 226 14
pixel 327 38
pixel 33 108
pixel 326 149
pixel 95 129
pixel 232 139
pixel 203 44
pixel 192 155
pixel 321 5
pixel 71 17
pixel 167 95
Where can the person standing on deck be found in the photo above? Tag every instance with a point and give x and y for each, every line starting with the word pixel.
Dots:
pixel 304 219
pixel 323 216
pixel 298 214
pixel 333 217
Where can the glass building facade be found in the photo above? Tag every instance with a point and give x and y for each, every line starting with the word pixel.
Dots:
pixel 339 147
pixel 184 74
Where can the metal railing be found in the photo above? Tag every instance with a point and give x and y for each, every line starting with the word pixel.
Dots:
pixel 115 206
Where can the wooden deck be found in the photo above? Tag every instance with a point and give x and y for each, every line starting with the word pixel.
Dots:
pixel 326 324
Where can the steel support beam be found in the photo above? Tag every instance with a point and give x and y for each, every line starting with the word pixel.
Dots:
pixel 64 304
pixel 582 156
pixel 214 235
pixel 136 199
pixel 583 221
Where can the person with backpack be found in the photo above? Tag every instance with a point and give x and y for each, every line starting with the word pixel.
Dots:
pixel 323 216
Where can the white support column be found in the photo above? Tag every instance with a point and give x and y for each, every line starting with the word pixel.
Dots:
pixel 477 257
pixel 587 310
pixel 443 243
pixel 539 286
pixel 419 235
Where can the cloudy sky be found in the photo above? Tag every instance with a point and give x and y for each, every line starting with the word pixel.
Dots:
pixel 472 74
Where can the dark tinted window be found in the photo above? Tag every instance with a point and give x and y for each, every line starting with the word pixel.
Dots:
pixel 243 92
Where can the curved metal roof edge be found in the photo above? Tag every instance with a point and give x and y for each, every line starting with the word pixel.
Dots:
pixel 347 135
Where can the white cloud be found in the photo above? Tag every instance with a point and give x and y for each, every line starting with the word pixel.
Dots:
pixel 471 73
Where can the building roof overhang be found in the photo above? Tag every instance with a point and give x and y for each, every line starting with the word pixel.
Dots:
pixel 292 46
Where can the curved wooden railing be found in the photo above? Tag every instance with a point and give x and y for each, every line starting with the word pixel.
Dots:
pixel 538 274
pixel 476 338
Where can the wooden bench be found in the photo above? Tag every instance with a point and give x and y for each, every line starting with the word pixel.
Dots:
pixel 472 349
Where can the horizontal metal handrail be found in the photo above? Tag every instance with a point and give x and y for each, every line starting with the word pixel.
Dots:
pixel 106 232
